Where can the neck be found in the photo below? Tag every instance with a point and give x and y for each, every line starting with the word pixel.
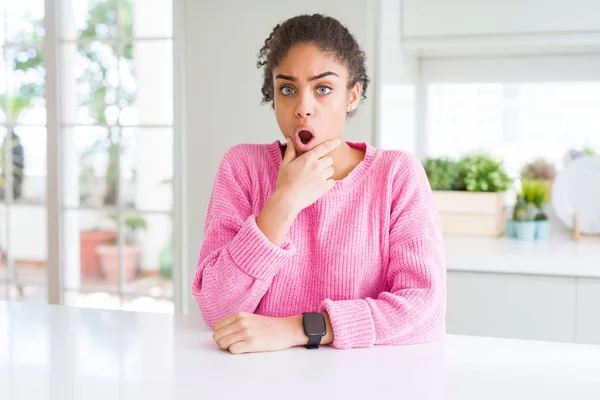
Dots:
pixel 345 159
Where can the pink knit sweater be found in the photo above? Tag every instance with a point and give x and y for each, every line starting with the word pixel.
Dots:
pixel 369 252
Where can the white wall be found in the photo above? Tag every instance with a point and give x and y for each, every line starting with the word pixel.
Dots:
pixel 223 87
pixel 396 77
pixel 426 18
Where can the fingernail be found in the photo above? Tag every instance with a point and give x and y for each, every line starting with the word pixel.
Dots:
pixel 338 142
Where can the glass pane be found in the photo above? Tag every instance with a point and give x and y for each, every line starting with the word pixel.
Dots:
pixel 147 85
pixel 151 236
pixel 2 37
pixel 90 88
pixel 89 19
pixel 147 168
pixel 24 101
pixel 3 72
pixel 90 166
pixel 29 166
pixel 517 122
pixel 24 20
pixel 90 250
pixel 4 274
pixel 28 237
pixel 146 18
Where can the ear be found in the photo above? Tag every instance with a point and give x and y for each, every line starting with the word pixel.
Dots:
pixel 353 97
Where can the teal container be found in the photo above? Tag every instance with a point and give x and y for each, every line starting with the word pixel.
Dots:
pixel 510 228
pixel 525 230
pixel 542 229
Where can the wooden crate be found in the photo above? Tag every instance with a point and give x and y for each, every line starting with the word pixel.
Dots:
pixel 470 213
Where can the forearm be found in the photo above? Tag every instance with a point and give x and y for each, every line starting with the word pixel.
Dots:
pixel 277 217
pixel 235 268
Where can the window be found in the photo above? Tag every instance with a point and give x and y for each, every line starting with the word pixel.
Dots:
pixel 517 108
pixel 515 121
pixel 115 68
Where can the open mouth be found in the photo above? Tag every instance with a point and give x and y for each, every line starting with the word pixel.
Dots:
pixel 305 136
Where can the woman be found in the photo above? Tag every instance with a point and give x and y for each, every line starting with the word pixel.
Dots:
pixel 319 240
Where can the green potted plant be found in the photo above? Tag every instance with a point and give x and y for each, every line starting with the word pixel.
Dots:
pixel 542 224
pixel 469 194
pixel 540 170
pixel 529 221
pixel 442 173
pixel 483 173
pixel 573 154
pixel 90 239
pixel 522 225
pixel 109 252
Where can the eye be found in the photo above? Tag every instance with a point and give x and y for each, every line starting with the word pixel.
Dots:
pixel 324 90
pixel 286 90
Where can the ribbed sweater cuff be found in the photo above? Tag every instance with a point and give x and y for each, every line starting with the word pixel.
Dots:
pixel 351 322
pixel 255 254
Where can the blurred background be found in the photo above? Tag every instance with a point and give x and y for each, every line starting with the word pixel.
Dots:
pixel 114 115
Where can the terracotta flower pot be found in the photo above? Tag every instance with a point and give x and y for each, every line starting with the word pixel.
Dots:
pixel 109 262
pixel 89 259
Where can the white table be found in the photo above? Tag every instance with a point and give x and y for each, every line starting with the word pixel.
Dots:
pixel 51 352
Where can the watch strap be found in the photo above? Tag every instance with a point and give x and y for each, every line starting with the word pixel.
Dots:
pixel 313 342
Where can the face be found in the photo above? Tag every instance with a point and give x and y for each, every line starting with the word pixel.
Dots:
pixel 311 96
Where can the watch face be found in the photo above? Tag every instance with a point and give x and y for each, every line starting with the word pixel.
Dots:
pixel 315 324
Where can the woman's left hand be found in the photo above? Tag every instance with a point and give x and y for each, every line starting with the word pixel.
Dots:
pixel 251 333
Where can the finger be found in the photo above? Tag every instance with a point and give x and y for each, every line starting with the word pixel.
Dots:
pixel 241 347
pixel 329 184
pixel 226 321
pixel 325 162
pixel 229 340
pixel 324 148
pixel 328 173
pixel 290 153
pixel 226 331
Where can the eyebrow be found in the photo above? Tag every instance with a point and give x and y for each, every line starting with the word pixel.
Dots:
pixel 291 78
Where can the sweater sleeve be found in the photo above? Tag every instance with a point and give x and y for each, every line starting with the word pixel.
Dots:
pixel 413 307
pixel 237 262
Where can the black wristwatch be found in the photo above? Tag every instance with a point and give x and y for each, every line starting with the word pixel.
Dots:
pixel 315 328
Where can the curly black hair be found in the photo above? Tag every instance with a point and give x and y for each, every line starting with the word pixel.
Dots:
pixel 328 34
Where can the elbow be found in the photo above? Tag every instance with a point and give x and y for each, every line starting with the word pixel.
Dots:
pixel 432 324
pixel 203 304
pixel 206 312
pixel 209 305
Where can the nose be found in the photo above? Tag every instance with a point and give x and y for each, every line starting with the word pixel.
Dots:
pixel 304 108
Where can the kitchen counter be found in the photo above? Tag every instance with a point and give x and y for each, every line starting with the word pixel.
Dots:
pixel 559 255
pixel 55 352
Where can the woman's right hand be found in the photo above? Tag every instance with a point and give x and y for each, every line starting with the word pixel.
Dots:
pixel 305 179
